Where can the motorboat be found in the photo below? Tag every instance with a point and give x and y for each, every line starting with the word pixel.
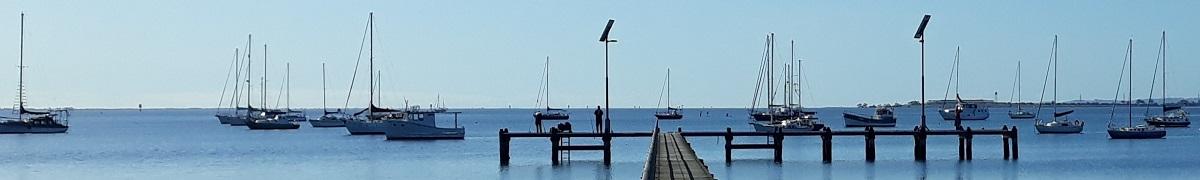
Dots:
pixel 883 117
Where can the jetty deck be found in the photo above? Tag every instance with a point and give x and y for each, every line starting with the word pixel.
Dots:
pixel 672 157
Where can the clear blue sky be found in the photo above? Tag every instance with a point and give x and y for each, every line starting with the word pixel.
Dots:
pixel 490 53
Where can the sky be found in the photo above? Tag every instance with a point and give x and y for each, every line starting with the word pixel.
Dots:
pixel 175 54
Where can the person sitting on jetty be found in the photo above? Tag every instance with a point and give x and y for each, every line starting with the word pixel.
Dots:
pixel 599 115
pixel 564 127
pixel 537 121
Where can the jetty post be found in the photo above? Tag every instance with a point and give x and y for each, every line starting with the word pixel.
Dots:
pixel 870 144
pixel 505 140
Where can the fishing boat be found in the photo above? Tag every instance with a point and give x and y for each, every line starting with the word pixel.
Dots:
pixel 549 113
pixel 30 121
pixel 671 113
pixel 373 119
pixel 1060 123
pixel 328 118
pixel 1172 115
pixel 883 117
pixel 962 110
pixel 269 119
pixel 423 126
pixel 1130 131
pixel 1018 113
pixel 789 125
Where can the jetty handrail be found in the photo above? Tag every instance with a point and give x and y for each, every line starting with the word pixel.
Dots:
pixel 650 169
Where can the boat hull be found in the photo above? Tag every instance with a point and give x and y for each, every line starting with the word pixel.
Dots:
pixel 967 115
pixel 1018 115
pixel 668 116
pixel 1160 122
pixel 272 125
pixel 554 116
pixel 1058 129
pixel 854 120
pixel 1118 134
pixel 359 127
pixel 760 127
pixel 405 130
pixel 327 123
pixel 15 128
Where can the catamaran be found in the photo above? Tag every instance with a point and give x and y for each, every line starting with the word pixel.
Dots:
pixel 1172 115
pixel 1130 131
pixel 1018 113
pixel 1060 123
pixel 30 121
pixel 671 113
pixel 328 118
pixel 962 110
pixel 549 113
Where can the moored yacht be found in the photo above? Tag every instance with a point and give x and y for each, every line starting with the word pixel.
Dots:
pixel 790 125
pixel 329 118
pixel 671 113
pixel 28 121
pixel 883 117
pixel 965 111
pixel 1019 113
pixel 1060 123
pixel 267 120
pixel 549 113
pixel 1130 131
pixel 1172 116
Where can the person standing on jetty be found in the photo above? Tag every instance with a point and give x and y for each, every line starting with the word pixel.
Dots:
pixel 537 121
pixel 599 115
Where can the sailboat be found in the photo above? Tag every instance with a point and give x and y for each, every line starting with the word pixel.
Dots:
pixel 550 113
pixel 272 118
pixel 1060 123
pixel 671 113
pixel 1130 131
pixel 1019 113
pixel 29 121
pixel 373 119
pixel 328 118
pixel 962 110
pixel 232 115
pixel 1173 115
pixel 785 117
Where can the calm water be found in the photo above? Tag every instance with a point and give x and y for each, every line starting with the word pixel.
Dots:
pixel 190 144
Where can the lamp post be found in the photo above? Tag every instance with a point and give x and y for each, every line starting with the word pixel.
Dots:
pixel 920 36
pixel 604 39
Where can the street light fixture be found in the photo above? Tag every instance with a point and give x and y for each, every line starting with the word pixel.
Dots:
pixel 920 36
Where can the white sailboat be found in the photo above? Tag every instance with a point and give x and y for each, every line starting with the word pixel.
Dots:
pixel 1141 131
pixel 30 121
pixel 328 118
pixel 962 110
pixel 1019 113
pixel 1060 123
pixel 1172 115
pixel 671 113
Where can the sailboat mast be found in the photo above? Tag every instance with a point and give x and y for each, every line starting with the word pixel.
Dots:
pixel 324 108
pixel 287 82
pixel 771 70
pixel 249 41
pixel 21 73
pixel 1054 56
pixel 371 61
pixel 547 78
pixel 1018 84
pixel 1129 99
pixel 1163 51
pixel 264 78
pixel 668 88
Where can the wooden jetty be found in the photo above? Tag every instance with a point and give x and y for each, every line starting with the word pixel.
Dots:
pixel 919 135
pixel 672 157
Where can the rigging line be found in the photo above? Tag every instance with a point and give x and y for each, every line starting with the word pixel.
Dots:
pixel 541 87
pixel 237 76
pixel 1153 82
pixel 953 70
pixel 354 75
pixel 1046 77
pixel 1014 89
pixel 225 85
pixel 1120 81
pixel 759 79
pixel 662 89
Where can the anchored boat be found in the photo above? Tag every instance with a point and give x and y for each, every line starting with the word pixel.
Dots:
pixel 549 113
pixel 883 117
pixel 1172 116
pixel 1018 113
pixel 30 121
pixel 671 113
pixel 1130 131
pixel 1060 123
pixel 962 110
